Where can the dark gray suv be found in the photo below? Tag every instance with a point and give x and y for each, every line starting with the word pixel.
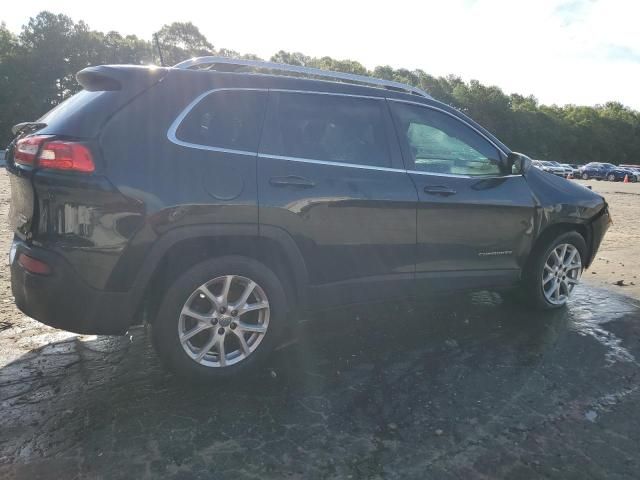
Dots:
pixel 219 199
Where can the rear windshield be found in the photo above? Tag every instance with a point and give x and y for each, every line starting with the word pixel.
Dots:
pixel 69 106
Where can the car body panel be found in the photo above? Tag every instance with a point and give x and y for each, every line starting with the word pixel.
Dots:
pixel 485 225
pixel 358 234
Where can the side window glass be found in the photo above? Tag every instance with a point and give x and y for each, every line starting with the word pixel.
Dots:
pixel 436 142
pixel 331 128
pixel 229 119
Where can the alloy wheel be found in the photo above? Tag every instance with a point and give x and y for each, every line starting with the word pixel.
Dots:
pixel 224 321
pixel 561 273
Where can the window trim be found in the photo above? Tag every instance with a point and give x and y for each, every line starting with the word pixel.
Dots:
pixel 171 133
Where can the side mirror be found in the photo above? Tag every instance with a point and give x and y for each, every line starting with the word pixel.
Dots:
pixel 518 163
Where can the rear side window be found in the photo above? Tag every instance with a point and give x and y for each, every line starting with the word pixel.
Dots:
pixel 229 119
pixel 330 128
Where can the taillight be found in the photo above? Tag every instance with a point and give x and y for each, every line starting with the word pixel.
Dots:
pixel 27 149
pixel 33 265
pixel 60 155
pixel 39 151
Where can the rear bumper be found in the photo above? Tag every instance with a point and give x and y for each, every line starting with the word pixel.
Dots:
pixel 63 300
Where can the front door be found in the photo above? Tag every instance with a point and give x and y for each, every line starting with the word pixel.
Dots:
pixel 329 175
pixel 475 221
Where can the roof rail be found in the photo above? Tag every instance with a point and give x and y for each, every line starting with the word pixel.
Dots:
pixel 208 63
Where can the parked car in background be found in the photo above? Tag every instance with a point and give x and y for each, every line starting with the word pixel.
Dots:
pixel 547 166
pixel 567 170
pixel 595 170
pixel 635 169
pixel 617 174
pixel 607 171
pixel 573 171
pixel 250 199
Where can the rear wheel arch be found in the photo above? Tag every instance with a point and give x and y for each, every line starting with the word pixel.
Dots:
pixel 275 250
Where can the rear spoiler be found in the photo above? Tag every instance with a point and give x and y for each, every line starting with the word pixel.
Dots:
pixel 117 77
pixel 31 126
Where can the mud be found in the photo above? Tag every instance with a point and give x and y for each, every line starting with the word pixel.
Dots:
pixel 471 387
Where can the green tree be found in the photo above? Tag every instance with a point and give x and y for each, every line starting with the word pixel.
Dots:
pixel 38 67
pixel 180 41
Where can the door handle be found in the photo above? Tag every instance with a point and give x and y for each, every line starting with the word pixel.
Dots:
pixel 439 190
pixel 291 181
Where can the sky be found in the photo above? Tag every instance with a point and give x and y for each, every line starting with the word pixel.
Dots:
pixel 583 52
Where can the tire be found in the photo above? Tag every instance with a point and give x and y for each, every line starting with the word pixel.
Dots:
pixel 585 176
pixel 634 179
pixel 533 289
pixel 611 177
pixel 187 291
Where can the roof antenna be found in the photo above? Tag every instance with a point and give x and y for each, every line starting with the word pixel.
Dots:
pixel 155 36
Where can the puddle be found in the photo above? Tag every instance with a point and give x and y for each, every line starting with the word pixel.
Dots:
pixel 459 387
pixel 591 310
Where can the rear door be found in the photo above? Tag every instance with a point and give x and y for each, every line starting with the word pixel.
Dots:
pixel 331 175
pixel 475 224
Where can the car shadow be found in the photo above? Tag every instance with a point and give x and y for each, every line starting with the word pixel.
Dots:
pixel 361 392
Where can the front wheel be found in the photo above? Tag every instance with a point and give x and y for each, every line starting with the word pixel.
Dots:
pixel 220 318
pixel 554 270
pixel 611 178
pixel 585 176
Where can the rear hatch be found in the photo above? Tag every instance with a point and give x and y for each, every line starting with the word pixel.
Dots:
pixel 75 125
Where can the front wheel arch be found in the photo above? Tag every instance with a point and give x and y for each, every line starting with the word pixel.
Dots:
pixel 557 229
pixel 531 286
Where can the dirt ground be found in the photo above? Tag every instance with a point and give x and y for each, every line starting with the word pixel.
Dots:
pixel 619 256
pixel 473 387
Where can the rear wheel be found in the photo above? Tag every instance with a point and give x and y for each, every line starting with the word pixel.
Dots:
pixel 611 177
pixel 220 318
pixel 554 270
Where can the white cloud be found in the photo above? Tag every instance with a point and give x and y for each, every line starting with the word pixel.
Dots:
pixel 562 51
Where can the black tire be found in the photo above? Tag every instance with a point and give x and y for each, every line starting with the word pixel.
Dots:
pixel 165 327
pixel 611 177
pixel 585 176
pixel 531 288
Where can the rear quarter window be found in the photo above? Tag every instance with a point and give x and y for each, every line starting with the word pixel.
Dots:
pixel 226 119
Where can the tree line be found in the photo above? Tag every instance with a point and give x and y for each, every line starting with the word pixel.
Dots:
pixel 38 67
